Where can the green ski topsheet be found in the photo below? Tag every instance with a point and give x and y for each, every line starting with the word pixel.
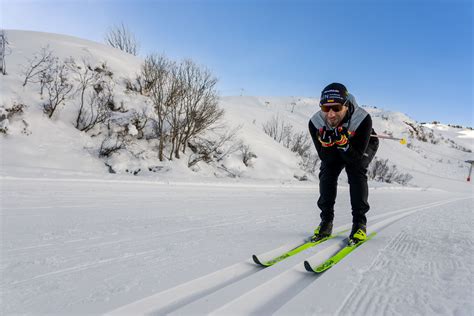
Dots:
pixel 294 251
pixel 341 254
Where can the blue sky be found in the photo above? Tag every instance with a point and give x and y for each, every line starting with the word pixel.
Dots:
pixel 409 56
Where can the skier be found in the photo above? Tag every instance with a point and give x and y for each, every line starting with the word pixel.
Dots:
pixel 341 133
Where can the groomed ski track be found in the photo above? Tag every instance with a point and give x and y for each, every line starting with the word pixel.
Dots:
pixel 94 247
pixel 246 289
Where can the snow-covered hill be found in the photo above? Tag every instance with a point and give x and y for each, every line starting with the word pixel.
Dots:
pixel 78 240
pixel 35 141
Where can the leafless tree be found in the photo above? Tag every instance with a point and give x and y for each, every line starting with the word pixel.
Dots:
pixel 58 87
pixel 121 37
pixel 4 51
pixel 37 67
pixel 184 100
pixel 159 74
pixel 199 104
pixel 176 114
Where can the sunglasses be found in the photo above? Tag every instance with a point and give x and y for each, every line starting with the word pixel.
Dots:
pixel 335 107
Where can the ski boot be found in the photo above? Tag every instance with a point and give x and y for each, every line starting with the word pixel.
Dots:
pixel 358 233
pixel 322 231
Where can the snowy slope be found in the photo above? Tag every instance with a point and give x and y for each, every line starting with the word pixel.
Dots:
pixel 57 145
pixel 76 240
pixel 444 159
pixel 51 144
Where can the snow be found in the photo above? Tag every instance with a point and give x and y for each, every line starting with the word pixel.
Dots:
pixel 76 239
pixel 95 246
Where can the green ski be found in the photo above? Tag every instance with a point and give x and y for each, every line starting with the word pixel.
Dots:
pixel 293 251
pixel 341 254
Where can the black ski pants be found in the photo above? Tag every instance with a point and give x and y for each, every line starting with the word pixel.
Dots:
pixel 359 192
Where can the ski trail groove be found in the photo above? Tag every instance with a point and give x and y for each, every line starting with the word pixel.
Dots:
pixel 167 301
pixel 289 279
pixel 379 286
pixel 282 282
pixel 268 298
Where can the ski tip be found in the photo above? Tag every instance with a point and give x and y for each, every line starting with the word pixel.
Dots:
pixel 308 267
pixel 255 259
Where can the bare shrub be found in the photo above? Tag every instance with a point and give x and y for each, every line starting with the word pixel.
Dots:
pixel 419 132
pixel 119 36
pixel 4 122
pixel 300 143
pixel 140 120
pixel 455 145
pixel 10 113
pixel 213 149
pixel 17 109
pixel 39 66
pixel 95 91
pixel 278 129
pixel 310 162
pixel 117 139
pixel 247 155
pixel 57 85
pixel 111 144
pixel 380 170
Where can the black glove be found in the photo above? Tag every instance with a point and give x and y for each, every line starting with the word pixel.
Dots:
pixel 341 138
pixel 326 137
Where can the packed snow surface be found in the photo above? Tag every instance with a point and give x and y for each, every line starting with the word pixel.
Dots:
pixel 90 246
